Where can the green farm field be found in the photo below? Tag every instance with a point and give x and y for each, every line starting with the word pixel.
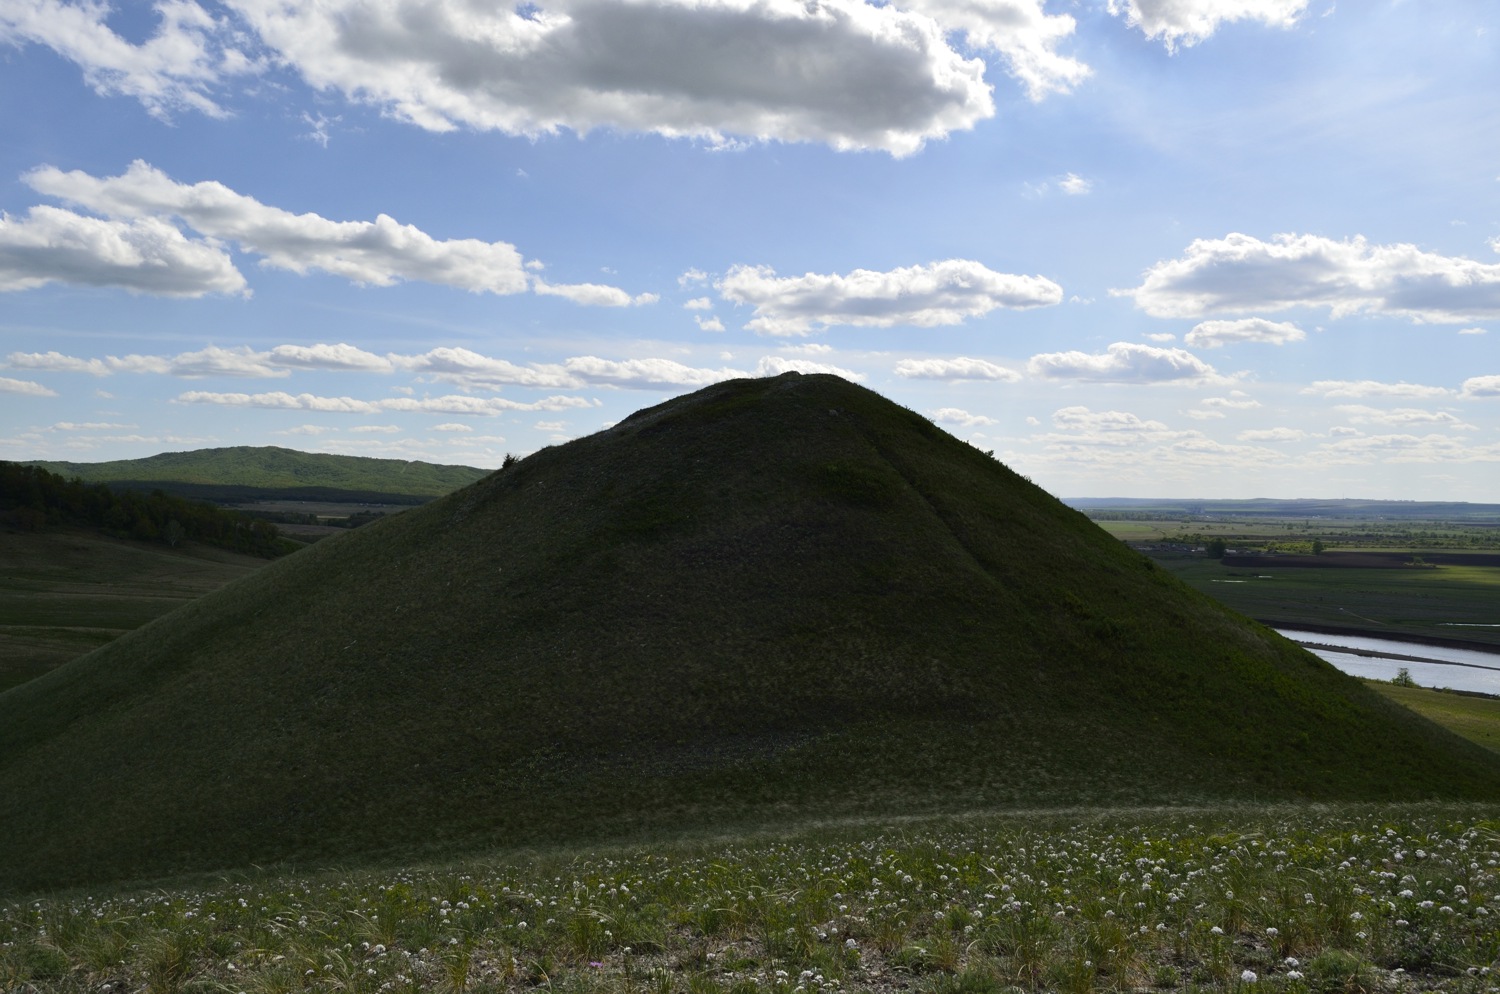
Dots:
pixel 1350 535
pixel 1474 717
pixel 1432 603
pixel 1450 598
pixel 67 592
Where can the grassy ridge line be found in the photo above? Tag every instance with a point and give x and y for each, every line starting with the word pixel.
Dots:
pixel 274 468
pixel 771 600
pixel 1280 900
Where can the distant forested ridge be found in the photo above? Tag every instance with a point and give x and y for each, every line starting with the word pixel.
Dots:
pixel 226 473
pixel 32 498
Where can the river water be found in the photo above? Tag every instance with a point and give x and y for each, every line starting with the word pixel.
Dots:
pixel 1478 670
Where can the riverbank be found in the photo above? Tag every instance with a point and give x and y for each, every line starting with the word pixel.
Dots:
pixel 1467 667
pixel 1348 630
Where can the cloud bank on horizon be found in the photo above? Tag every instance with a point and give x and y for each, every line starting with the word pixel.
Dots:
pixel 1136 247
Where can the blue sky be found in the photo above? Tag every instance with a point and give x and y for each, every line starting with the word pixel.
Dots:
pixel 1213 248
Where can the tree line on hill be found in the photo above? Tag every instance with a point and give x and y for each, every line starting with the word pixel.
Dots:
pixel 31 499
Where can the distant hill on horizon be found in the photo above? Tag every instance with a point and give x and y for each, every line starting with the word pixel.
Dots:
pixel 771 601
pixel 270 469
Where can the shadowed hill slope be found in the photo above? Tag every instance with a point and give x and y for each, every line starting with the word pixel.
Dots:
pixel 771 599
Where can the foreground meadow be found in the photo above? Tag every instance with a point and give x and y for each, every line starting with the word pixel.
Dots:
pixel 1244 900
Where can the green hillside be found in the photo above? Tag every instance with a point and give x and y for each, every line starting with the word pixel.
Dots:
pixel 275 469
pixel 66 591
pixel 770 600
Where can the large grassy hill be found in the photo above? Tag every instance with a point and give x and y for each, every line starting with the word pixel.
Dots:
pixel 770 600
pixel 273 469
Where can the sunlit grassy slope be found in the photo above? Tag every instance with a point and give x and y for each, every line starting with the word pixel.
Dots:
pixel 772 599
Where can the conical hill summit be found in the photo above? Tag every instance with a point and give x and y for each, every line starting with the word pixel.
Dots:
pixel 770 600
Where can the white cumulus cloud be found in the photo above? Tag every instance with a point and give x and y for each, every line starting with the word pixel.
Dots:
pixel 961 368
pixel 90 426
pixel 1236 401
pixel 1074 185
pixel 1214 334
pixel 646 373
pixel 190 53
pixel 1406 448
pixel 470 370
pixel 280 400
pixel 940 293
pixel 1020 31
pixel 1083 419
pixel 1272 435
pixel 1240 273
pixel 142 255
pixel 593 294
pixel 1124 362
pixel 378 253
pixel 958 416
pixel 476 406
pixel 846 73
pixel 210 361
pixel 26 388
pixel 1187 22
pixel 775 365
pixel 1360 414
pixel 333 357
pixel 1482 386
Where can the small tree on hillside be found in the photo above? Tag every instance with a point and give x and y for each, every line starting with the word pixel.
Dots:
pixel 1217 548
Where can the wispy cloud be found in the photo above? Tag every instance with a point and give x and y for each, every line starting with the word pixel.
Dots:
pixel 1372 388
